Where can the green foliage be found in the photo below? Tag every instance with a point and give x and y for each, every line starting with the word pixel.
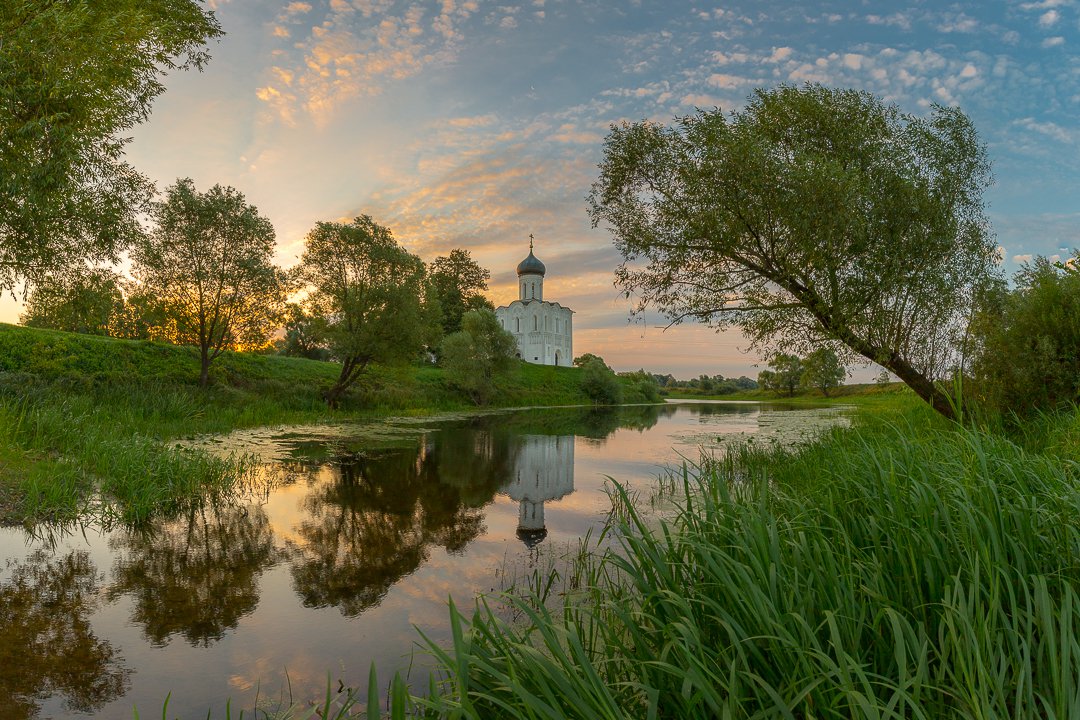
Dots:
pixel 1028 341
pixel 455 282
pixel 367 290
pixel 599 383
pixel 209 261
pixel 75 78
pixel 479 355
pixel 810 215
pixel 586 358
pixel 787 371
pixel 303 335
pixel 706 385
pixel 823 370
pixel 896 570
pixel 639 386
pixel 86 301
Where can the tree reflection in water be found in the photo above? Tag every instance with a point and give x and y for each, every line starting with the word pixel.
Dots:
pixel 376 519
pixel 196 575
pixel 46 644
pixel 374 522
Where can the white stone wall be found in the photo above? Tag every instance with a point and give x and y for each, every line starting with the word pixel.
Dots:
pixel 544 331
pixel 530 287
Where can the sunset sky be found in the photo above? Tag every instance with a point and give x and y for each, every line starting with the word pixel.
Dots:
pixel 473 124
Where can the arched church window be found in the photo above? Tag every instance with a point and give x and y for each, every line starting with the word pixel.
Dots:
pixel 518 324
pixel 536 323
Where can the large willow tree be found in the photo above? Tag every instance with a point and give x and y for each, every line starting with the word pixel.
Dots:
pixel 811 215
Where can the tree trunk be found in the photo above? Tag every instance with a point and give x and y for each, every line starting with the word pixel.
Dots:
pixel 332 395
pixel 923 387
pixel 350 370
pixel 204 373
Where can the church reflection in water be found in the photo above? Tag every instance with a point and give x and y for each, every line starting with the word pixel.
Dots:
pixel 543 471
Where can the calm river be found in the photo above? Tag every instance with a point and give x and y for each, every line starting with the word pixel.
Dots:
pixel 347 539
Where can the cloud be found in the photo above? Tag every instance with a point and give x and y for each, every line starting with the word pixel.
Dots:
pixel 1020 259
pixel 569 134
pixel 1044 4
pixel 958 23
pixel 1049 18
pixel 1053 41
pixel 900 20
pixel 779 54
pixel 296 8
pixel 357 49
pixel 1047 128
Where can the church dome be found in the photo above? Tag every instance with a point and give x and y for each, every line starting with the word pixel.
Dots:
pixel 531 265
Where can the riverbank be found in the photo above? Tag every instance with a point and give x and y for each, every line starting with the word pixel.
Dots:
pixel 906 567
pixel 80 414
pixel 862 394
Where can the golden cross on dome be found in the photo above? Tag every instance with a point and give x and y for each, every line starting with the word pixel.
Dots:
pixel 530 242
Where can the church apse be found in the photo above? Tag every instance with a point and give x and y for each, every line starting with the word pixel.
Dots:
pixel 543 471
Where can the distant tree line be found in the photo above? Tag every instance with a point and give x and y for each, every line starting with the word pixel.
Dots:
pixel 707 384
pixel 820 370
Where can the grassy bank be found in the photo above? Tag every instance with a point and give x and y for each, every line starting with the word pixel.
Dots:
pixel 869 394
pixel 80 413
pixel 902 569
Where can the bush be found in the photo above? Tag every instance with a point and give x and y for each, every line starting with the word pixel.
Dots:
pixel 599 383
pixel 640 386
pixel 478 355
pixel 1028 341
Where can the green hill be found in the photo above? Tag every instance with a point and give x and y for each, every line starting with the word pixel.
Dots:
pixel 80 413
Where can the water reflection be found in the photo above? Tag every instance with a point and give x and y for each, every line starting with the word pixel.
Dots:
pixel 544 471
pixel 47 646
pixel 372 515
pixel 344 518
pixel 196 575
pixel 369 520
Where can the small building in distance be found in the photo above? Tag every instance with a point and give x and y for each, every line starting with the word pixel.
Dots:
pixel 544 330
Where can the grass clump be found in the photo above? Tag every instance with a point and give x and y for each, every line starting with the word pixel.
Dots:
pixel 902 569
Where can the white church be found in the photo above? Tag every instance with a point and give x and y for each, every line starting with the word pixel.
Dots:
pixel 544 330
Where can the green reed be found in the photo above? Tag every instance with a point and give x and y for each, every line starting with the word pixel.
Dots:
pixel 902 569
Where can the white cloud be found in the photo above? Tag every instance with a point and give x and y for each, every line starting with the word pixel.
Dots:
pixel 1047 128
pixel 958 23
pixel 728 82
pixel 1044 4
pixel 779 54
pixel 1048 18
pixel 1019 259
pixel 1053 41
pixel 900 20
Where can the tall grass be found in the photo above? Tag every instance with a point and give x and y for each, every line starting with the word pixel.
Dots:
pixel 897 570
pixel 105 449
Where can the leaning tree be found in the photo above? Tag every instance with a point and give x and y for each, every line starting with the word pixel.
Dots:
pixel 811 215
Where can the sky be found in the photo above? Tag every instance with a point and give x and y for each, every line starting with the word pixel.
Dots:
pixel 473 124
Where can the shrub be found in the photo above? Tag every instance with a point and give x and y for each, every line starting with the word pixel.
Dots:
pixel 1027 340
pixel 599 383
